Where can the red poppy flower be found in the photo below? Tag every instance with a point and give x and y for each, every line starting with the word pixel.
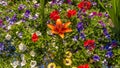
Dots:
pixel 71 13
pixel 84 5
pixel 54 15
pixel 83 66
pixel 90 44
pixel 34 37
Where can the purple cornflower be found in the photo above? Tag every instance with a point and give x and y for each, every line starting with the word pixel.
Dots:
pixel 92 14
pixel 21 7
pixel 75 38
pixel 35 16
pixel 80 26
pixel 48 22
pixel 7 19
pixel 53 1
pixel 108 47
pixel 106 14
pixel 20 34
pixel 114 43
pixel 27 14
pixel 101 23
pixel 1 46
pixel 109 54
pixel 94 3
pixel 13 19
pixel 36 5
pixel 82 35
pixel 4 3
pixel 23 20
pixel 106 33
pixel 96 58
pixel 1 22
pixel 60 2
pixel 69 1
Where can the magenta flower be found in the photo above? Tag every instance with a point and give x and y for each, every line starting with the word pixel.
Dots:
pixel 1 22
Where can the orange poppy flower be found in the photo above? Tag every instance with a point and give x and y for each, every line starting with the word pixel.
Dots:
pixel 60 28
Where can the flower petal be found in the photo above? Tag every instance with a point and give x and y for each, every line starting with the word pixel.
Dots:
pixel 58 22
pixel 61 35
pixel 67 24
pixel 68 30
pixel 51 26
pixel 53 32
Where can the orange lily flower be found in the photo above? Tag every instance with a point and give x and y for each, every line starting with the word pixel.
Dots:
pixel 60 28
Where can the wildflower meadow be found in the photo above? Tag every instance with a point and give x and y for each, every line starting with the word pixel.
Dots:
pixel 59 33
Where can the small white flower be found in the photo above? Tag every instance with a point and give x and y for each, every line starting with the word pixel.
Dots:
pixel 38 33
pixel 23 63
pixel 22 47
pixel 50 2
pixel 22 57
pixel 15 64
pixel 18 22
pixel 22 14
pixel 32 53
pixel 37 14
pixel 49 33
pixel 8 37
pixel 34 1
pixel 9 27
pixel 33 63
pixel 30 17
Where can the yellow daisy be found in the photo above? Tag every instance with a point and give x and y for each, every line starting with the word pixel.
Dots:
pixel 67 62
pixel 51 65
pixel 68 54
pixel 74 67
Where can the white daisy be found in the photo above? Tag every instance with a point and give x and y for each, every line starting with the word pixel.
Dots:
pixel 32 53
pixel 8 37
pixel 22 47
pixel 33 63
pixel 15 64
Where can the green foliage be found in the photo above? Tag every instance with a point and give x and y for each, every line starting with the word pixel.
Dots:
pixel 113 10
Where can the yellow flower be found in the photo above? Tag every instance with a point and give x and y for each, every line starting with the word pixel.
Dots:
pixel 74 67
pixel 68 54
pixel 67 62
pixel 51 65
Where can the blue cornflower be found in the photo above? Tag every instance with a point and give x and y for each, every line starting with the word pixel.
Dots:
pixel 11 48
pixel 108 47
pixel 27 14
pixel 12 20
pixel 106 33
pixel 80 26
pixel 75 38
pixel 21 7
pixel 96 58
pixel 101 23
pixel 1 46
pixel 82 35
pixel 109 54
pixel 114 43
pixel 36 5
